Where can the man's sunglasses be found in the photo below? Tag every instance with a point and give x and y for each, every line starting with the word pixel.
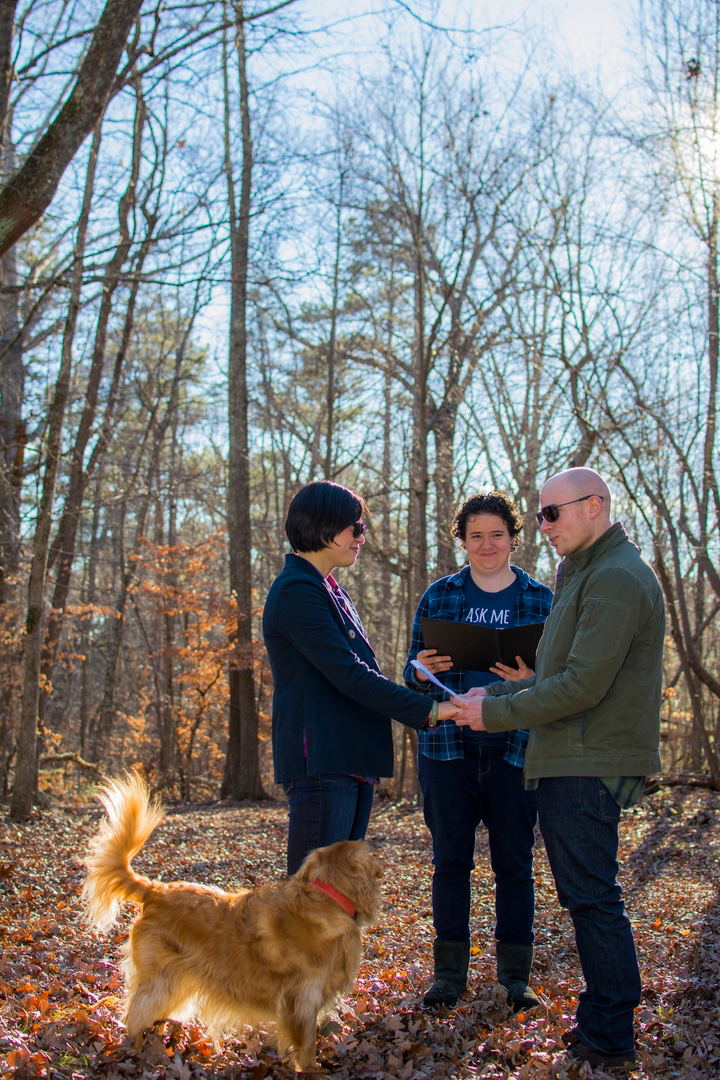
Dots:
pixel 551 512
pixel 358 529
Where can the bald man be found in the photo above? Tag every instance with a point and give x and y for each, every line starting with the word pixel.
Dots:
pixel 593 711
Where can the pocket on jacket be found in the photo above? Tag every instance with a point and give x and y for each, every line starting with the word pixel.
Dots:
pixel 600 629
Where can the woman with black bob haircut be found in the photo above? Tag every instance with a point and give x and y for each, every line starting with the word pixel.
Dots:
pixel 331 730
pixel 319 512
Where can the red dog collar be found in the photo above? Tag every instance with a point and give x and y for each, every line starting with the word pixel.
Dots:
pixel 337 896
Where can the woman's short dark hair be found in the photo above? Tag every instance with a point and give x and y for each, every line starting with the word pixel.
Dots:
pixel 492 502
pixel 320 511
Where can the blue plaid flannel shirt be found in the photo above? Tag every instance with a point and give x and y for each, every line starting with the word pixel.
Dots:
pixel 445 599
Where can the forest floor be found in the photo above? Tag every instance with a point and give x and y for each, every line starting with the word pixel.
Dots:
pixel 60 991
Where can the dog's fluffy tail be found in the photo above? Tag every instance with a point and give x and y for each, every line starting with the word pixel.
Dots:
pixel 131 817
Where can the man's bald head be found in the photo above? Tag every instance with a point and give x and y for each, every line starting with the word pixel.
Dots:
pixel 580 482
pixel 578 518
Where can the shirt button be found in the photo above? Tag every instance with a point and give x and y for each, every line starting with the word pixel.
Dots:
pixel 351 633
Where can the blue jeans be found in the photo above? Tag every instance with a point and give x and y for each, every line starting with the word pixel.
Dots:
pixel 458 795
pixel 325 808
pixel 579 823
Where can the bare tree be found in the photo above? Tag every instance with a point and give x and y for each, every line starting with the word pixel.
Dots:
pixel 442 176
pixel 62 553
pixel 242 773
pixel 662 401
pixel 26 194
pixel 139 489
pixel 26 763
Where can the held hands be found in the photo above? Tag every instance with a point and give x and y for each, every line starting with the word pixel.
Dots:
pixel 447 710
pixel 436 664
pixel 470 708
pixel 466 709
pixel 511 674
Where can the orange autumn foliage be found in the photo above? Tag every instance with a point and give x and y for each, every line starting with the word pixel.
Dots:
pixel 181 591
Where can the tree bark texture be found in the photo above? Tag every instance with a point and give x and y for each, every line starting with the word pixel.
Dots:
pixel 7 21
pixel 242 764
pixel 12 423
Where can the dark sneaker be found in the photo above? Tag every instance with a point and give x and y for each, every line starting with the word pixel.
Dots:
pixel 580 1051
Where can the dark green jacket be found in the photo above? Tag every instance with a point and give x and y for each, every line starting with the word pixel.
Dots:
pixel 593 706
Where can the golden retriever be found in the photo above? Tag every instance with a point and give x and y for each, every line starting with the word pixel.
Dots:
pixel 284 952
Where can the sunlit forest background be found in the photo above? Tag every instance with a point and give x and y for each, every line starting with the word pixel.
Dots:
pixel 403 248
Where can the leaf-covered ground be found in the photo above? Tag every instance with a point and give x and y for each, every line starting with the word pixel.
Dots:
pixel 60 991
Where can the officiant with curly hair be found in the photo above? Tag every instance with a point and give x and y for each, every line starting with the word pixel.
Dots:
pixel 468 778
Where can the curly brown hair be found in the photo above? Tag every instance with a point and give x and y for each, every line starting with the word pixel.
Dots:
pixel 491 502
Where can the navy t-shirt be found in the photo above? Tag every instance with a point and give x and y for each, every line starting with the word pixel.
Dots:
pixel 496 610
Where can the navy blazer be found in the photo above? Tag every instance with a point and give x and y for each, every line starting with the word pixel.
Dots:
pixel 331 702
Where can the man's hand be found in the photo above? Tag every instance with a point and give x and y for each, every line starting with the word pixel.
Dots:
pixel 474 691
pixel 470 709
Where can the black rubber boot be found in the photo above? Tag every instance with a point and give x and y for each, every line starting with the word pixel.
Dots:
pixel 513 968
pixel 451 968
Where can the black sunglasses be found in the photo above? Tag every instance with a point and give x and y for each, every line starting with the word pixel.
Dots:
pixel 551 512
pixel 358 529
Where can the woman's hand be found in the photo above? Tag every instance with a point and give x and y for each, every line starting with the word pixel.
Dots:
pixel 436 664
pixel 511 674
pixel 446 710
pixel 470 708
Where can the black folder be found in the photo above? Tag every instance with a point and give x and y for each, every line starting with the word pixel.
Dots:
pixel 478 648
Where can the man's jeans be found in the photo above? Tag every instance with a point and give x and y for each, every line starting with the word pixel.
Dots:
pixel 324 809
pixel 458 795
pixel 579 823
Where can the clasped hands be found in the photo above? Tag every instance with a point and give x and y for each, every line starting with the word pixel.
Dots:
pixel 466 709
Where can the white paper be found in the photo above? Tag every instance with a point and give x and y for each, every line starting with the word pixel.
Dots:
pixel 419 666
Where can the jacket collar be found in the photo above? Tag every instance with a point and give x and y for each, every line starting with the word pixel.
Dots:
pixel 611 538
pixel 296 562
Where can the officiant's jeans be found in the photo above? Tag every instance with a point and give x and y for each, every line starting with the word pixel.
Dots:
pixel 459 795
pixel 579 823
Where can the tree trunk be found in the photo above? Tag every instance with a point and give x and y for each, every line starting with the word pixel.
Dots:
pixel 26 765
pixel 332 347
pixel 89 594
pixel 7 23
pixel 12 450
pixel 168 738
pixel 419 480
pixel 389 662
pixel 12 395
pixel 62 553
pixel 127 567
pixel 444 433
pixel 26 194
pixel 242 764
